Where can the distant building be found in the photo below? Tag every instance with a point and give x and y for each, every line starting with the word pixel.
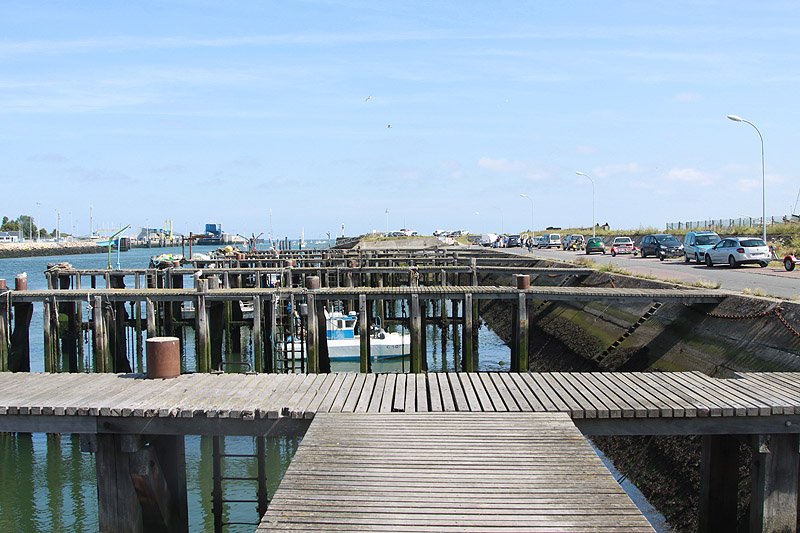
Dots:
pixel 11 236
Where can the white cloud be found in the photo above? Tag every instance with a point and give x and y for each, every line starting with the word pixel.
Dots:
pixel 689 175
pixel 618 169
pixel 529 170
pixel 747 185
pixel 683 98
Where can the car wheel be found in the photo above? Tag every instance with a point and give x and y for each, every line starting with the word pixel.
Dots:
pixel 587 251
pixel 613 253
pixel 661 256
pixel 709 263
pixel 686 258
pixel 763 264
pixel 732 262
pixel 643 253
pixel 604 252
pixel 788 264
pixel 697 258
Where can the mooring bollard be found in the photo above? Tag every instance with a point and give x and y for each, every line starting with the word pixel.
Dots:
pixel 523 281
pixel 312 283
pixel 21 282
pixel 163 358
pixel 3 285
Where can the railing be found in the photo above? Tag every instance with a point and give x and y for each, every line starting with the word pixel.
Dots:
pixel 752 222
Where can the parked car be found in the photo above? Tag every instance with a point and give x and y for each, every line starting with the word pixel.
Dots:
pixel 696 243
pixel 574 242
pixel 623 245
pixel 595 244
pixel 514 240
pixel 661 245
pixel 488 239
pixel 737 251
pixel 549 240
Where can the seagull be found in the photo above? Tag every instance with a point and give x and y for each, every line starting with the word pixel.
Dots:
pixel 388 125
pixel 368 98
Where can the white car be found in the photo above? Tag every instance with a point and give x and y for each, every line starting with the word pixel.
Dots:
pixel 739 250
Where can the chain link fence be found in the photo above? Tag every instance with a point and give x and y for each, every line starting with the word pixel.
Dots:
pixel 753 222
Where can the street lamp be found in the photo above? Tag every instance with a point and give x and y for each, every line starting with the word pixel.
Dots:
pixel 387 220
pixel 533 233
pixel 763 182
pixel 579 173
pixel 38 219
pixel 58 225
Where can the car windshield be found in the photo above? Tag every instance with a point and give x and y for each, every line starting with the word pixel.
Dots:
pixel 668 239
pixel 595 240
pixel 622 241
pixel 707 239
pixel 752 243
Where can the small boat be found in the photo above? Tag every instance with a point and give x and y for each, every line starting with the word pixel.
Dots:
pixel 344 341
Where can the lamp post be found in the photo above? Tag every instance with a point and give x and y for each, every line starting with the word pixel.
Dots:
pixel 533 233
pixel 763 182
pixel 39 219
pixel 58 225
pixel 579 173
pixel 387 220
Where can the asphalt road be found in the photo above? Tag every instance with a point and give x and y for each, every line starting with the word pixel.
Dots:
pixel 771 280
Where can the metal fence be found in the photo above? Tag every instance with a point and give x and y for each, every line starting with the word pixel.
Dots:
pixel 754 222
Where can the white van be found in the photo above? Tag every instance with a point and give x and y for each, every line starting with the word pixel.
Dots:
pixel 549 240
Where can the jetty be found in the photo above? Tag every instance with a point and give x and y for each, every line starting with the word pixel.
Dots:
pixel 416 451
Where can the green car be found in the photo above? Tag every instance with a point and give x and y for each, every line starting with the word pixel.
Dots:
pixel 595 244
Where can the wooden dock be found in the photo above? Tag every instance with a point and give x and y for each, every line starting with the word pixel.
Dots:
pixel 449 472
pixel 129 420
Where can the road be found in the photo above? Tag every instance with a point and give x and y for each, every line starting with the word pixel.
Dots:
pixel 771 280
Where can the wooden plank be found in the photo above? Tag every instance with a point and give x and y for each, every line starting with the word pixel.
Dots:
pixel 542 391
pixel 480 392
pixel 434 393
pixel 469 391
pixel 377 394
pixel 622 409
pixel 714 408
pixel 422 393
pixel 341 398
pixel 411 394
pixel 355 394
pixel 782 399
pixel 459 398
pixel 752 406
pixel 606 408
pixel 572 405
pixel 327 393
pixel 399 404
pixel 505 394
pixel 387 398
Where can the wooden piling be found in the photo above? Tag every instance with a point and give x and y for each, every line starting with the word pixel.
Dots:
pixel 314 334
pixel 773 501
pixel 102 359
pixel 4 337
pixel 365 357
pixel 258 342
pixel 467 360
pixel 19 354
pixel 415 329
pixel 519 355
pixel 202 333
pixel 719 483
pixel 150 309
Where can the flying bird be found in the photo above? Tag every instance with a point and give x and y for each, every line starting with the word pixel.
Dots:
pixel 388 125
pixel 368 98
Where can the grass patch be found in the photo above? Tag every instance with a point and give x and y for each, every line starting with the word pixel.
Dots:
pixel 701 284
pixel 612 268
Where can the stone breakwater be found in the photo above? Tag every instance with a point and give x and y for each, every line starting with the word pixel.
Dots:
pixel 37 249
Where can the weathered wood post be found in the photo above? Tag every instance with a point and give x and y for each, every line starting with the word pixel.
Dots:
pixel 102 353
pixel 4 337
pixel 313 340
pixel 202 333
pixel 415 329
pixel 519 347
pixel 70 338
pixel 468 359
pixel 258 341
pixel 773 501
pixel 363 332
pixel 151 318
pixel 119 341
pixel 719 479
pixel 141 485
pixel 20 353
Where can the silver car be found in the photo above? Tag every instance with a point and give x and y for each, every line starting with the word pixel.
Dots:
pixel 737 251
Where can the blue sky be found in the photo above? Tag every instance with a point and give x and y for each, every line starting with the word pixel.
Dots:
pixel 211 111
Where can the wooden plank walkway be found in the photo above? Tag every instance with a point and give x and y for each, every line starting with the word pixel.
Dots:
pixel 600 403
pixel 446 472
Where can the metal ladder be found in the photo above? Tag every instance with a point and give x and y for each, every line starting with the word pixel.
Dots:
pixel 218 500
pixel 611 349
pixel 287 338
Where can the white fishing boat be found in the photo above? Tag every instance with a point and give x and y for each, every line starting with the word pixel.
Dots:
pixel 344 341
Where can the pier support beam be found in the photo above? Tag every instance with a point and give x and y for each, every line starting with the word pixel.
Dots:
pixel 719 478
pixel 773 502
pixel 3 330
pixel 519 347
pixel 314 335
pixel 467 359
pixel 258 342
pixel 363 332
pixel 19 355
pixel 102 354
pixel 141 487
pixel 202 335
pixel 415 329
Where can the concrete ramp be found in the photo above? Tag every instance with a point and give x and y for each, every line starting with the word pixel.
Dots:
pixel 448 472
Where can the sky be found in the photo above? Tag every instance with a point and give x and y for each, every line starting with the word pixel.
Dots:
pixel 311 116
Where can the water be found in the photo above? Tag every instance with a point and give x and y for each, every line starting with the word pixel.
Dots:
pixel 47 484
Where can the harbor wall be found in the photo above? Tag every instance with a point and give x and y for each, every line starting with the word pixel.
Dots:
pixel 38 249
